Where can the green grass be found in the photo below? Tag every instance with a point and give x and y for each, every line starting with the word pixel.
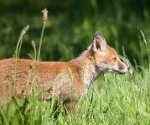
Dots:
pixel 115 100
pixel 112 99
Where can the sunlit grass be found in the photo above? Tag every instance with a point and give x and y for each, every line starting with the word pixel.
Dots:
pixel 113 99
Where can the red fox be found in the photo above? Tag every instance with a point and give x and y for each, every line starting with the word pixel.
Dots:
pixel 64 80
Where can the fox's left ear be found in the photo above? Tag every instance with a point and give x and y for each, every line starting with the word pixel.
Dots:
pixel 99 42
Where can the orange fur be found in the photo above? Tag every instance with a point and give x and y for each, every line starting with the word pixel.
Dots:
pixel 65 80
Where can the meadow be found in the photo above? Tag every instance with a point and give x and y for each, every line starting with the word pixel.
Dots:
pixel 112 99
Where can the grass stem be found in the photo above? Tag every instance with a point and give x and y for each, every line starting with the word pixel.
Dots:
pixel 41 38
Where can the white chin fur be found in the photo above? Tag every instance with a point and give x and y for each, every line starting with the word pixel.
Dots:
pixel 117 71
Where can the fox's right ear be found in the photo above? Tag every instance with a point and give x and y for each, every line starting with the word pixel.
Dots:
pixel 99 42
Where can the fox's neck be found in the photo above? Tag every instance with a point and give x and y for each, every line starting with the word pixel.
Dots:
pixel 89 69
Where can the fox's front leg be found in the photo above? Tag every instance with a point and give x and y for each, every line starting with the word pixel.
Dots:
pixel 70 106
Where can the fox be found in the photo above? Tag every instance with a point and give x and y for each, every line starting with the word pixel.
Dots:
pixel 68 81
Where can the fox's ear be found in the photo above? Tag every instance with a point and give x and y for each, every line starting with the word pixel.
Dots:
pixel 99 42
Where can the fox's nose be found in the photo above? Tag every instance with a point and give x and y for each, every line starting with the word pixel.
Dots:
pixel 128 68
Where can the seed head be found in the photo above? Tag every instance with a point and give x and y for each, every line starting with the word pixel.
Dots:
pixel 45 14
pixel 25 30
pixel 33 43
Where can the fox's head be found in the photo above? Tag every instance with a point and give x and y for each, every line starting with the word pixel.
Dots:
pixel 105 57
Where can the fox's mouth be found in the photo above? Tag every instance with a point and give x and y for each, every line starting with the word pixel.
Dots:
pixel 118 72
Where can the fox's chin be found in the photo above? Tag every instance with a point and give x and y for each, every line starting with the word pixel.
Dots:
pixel 118 72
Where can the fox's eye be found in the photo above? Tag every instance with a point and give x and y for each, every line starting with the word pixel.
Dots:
pixel 115 58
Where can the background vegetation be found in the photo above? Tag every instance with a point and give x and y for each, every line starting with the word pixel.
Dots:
pixel 113 99
pixel 71 26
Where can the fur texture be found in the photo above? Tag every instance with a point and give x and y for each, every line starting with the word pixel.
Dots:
pixel 65 80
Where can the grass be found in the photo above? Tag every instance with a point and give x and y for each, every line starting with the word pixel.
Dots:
pixel 115 100
pixel 112 99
